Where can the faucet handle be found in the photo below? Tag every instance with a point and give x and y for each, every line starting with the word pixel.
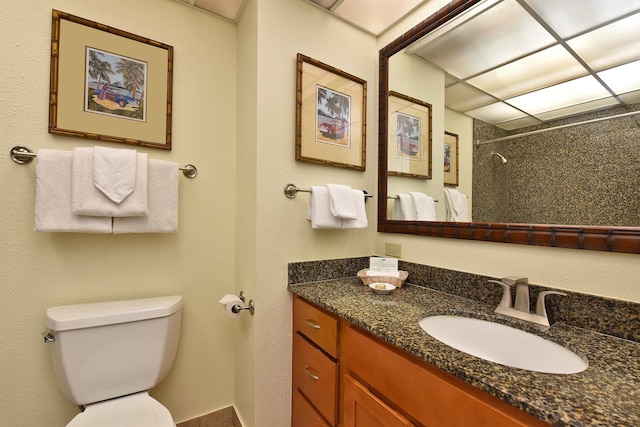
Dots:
pixel 540 305
pixel 506 293
pixel 515 280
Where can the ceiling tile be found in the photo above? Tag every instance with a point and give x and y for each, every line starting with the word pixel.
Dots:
pixel 613 45
pixel 622 79
pixel 482 44
pixel 226 8
pixel 496 113
pixel 463 97
pixel 578 109
pixel 570 17
pixel 519 123
pixel 545 68
pixel 577 91
pixel 375 16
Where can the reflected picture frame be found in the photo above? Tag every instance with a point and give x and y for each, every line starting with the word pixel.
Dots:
pixel 109 85
pixel 451 169
pixel 330 115
pixel 410 137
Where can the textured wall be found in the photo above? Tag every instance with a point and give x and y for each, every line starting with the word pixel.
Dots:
pixel 587 174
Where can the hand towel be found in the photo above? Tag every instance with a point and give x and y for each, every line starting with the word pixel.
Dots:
pixel 53 197
pixel 361 221
pixel 114 172
pixel 89 200
pixel 319 210
pixel 163 202
pixel 403 209
pixel 341 201
pixel 457 209
pixel 424 206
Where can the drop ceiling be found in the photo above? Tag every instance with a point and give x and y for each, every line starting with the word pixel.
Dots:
pixel 513 63
pixel 517 63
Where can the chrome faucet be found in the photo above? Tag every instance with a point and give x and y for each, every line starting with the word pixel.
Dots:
pixel 520 309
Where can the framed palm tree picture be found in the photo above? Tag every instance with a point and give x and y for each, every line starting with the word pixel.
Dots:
pixel 410 137
pixel 109 85
pixel 330 115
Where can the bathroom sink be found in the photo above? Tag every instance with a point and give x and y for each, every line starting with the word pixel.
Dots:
pixel 503 344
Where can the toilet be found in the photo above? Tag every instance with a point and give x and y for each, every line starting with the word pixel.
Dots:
pixel 108 355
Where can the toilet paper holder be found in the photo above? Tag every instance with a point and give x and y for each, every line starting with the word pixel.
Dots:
pixel 237 307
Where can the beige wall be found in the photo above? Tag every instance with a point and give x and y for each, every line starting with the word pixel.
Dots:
pixel 234 110
pixel 42 270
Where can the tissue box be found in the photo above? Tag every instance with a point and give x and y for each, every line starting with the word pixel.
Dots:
pixel 395 281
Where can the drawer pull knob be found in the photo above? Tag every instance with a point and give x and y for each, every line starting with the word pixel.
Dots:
pixel 313 324
pixel 313 377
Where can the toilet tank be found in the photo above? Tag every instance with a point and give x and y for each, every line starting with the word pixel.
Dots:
pixel 110 349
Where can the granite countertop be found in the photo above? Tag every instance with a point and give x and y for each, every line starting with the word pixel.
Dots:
pixel 606 394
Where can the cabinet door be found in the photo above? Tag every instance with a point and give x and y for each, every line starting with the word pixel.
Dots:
pixel 303 414
pixel 363 409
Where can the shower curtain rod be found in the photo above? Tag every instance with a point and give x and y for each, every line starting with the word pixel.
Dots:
pixel 533 132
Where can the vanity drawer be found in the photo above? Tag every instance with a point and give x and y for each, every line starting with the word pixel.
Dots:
pixel 317 325
pixel 316 376
pixel 303 413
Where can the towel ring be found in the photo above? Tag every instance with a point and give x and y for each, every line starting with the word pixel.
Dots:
pixel 24 155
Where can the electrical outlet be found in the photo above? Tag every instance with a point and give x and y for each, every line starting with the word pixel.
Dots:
pixel 393 249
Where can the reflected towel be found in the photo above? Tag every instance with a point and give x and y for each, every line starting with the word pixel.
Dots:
pixel 53 197
pixel 163 202
pixel 457 209
pixel 89 200
pixel 319 210
pixel 403 209
pixel 424 206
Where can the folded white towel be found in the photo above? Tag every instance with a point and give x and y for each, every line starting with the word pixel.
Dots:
pixel 114 172
pixel 53 197
pixel 89 200
pixel 424 206
pixel 361 221
pixel 319 210
pixel 341 201
pixel 403 209
pixel 457 209
pixel 163 202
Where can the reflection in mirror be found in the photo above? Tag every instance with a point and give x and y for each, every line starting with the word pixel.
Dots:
pixel 467 61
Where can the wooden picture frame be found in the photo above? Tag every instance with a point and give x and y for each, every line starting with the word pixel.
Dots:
pixel 410 137
pixel 109 85
pixel 451 141
pixel 330 115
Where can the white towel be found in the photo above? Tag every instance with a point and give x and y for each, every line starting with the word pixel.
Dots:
pixel 424 206
pixel 163 202
pixel 53 197
pixel 89 200
pixel 403 209
pixel 341 201
pixel 319 210
pixel 457 209
pixel 361 221
pixel 114 172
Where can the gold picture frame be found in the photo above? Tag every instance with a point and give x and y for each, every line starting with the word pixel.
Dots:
pixel 330 115
pixel 109 85
pixel 410 137
pixel 451 158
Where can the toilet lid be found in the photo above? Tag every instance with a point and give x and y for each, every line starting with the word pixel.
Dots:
pixel 136 410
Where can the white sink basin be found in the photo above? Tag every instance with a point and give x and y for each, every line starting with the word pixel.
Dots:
pixel 503 344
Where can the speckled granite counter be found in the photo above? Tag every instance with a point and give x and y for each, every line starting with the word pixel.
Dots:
pixel 606 394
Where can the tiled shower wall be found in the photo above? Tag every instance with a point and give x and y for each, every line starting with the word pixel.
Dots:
pixel 587 174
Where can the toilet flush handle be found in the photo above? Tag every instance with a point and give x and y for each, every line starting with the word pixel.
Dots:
pixel 48 337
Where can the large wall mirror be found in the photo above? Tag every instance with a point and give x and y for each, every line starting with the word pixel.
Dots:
pixel 543 98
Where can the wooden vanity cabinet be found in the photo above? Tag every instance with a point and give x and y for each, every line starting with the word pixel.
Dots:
pixel 315 371
pixel 344 376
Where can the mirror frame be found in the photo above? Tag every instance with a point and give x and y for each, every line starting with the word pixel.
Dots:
pixel 596 238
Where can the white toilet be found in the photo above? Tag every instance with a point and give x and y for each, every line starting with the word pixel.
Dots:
pixel 107 355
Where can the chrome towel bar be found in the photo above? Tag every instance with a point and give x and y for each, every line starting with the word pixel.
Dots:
pixel 290 190
pixel 24 155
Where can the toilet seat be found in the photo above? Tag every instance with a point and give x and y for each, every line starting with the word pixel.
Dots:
pixel 136 410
